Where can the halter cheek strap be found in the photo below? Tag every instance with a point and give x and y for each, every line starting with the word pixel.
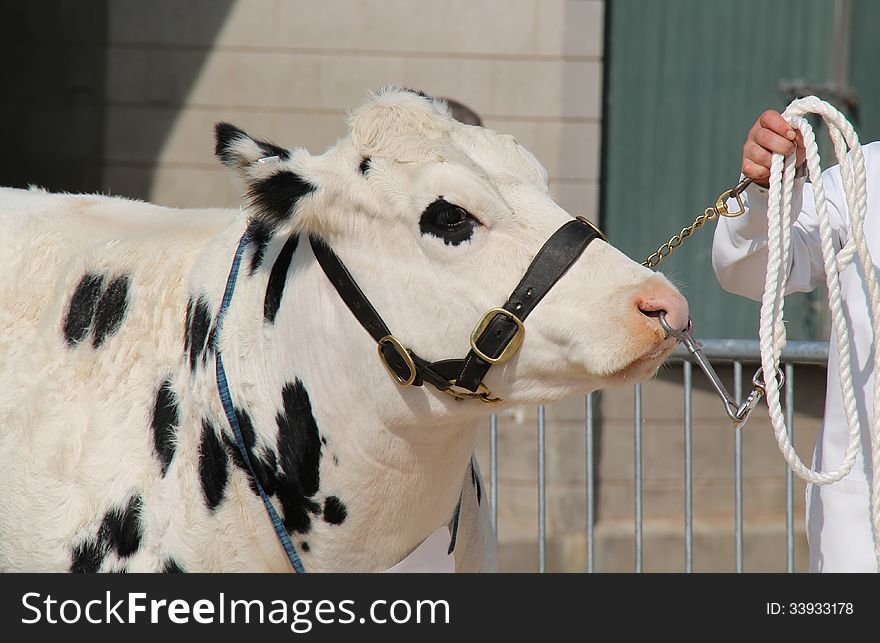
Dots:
pixel 496 337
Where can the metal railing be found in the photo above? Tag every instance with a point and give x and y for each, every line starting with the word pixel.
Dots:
pixel 735 352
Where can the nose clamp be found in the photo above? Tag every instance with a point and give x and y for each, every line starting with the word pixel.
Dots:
pixel 738 412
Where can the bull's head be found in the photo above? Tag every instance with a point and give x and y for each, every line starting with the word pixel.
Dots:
pixel 437 222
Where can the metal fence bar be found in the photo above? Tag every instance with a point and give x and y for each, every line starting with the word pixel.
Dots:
pixel 747 350
pixel 542 496
pixel 637 449
pixel 493 471
pixel 789 487
pixel 688 472
pixel 588 431
pixel 737 392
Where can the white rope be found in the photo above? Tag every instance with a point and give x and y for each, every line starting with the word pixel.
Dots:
pixel 772 330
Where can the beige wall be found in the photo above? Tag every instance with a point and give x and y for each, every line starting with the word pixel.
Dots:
pixel 289 70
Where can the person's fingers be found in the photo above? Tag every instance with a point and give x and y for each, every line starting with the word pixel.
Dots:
pixel 773 142
pixel 756 172
pixel 757 154
pixel 773 121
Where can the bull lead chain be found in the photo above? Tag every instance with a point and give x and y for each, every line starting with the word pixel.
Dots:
pixel 709 214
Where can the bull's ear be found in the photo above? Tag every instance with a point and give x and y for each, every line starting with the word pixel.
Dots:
pixel 275 179
pixel 238 150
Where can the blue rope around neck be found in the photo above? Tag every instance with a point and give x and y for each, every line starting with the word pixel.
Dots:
pixel 229 410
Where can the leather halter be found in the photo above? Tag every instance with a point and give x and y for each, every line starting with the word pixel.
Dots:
pixel 495 338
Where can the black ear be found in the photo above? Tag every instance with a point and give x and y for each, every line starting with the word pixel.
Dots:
pixel 236 149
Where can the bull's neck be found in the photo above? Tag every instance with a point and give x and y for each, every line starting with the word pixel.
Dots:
pixel 392 457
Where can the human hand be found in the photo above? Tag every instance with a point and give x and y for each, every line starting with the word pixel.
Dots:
pixel 770 134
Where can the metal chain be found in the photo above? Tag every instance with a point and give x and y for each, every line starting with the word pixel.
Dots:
pixel 709 214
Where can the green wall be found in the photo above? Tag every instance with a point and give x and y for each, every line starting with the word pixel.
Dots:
pixel 684 81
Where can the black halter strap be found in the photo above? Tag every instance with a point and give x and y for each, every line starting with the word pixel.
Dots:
pixel 497 336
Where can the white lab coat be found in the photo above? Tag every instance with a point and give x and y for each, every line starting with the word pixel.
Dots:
pixel 838 516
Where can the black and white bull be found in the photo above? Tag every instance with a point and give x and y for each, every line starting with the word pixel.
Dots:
pixel 116 452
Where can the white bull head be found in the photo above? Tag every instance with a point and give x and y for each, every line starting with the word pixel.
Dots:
pixel 437 222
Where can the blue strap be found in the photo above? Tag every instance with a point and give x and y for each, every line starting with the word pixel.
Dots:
pixel 229 410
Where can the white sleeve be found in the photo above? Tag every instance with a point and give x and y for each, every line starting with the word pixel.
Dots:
pixel 739 250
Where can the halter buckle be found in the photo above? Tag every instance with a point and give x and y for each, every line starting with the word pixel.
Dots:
pixel 482 393
pixel 512 346
pixel 400 349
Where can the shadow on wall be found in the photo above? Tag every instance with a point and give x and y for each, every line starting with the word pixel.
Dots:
pixel 54 63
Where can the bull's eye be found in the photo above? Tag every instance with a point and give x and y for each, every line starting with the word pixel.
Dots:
pixel 449 222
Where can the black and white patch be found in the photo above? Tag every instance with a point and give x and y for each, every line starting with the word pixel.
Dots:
pixel 278 279
pixel 111 310
pixel 335 511
pixel 213 466
pixel 81 309
pixel 451 223
pixel 264 461
pixel 260 234
pixel 230 140
pixel 171 567
pixel 198 320
pixel 364 167
pixel 299 453
pixel 274 198
pixel 121 532
pixel 165 422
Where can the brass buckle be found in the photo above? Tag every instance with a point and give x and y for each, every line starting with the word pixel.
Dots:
pixel 593 227
pixel 511 347
pixel 400 349
pixel 482 393
pixel 721 204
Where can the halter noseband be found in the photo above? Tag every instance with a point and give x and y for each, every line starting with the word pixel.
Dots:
pixel 496 337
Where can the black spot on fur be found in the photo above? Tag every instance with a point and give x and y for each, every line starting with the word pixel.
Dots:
pixel 278 279
pixel 299 450
pixel 364 167
pixel 121 529
pixel 87 557
pixel 81 310
pixel 264 463
pixel 211 344
pixel 274 198
pixel 187 325
pixel 226 135
pixel 111 310
pixel 171 567
pixel 165 422
pixel 336 459
pixel 323 440
pixel 261 234
pixel 334 511
pixel 304 546
pixel 213 466
pixel 200 324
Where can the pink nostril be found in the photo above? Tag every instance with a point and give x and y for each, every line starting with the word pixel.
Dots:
pixel 666 301
pixel 652 312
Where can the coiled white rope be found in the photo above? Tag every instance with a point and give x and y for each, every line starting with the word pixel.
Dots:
pixel 772 330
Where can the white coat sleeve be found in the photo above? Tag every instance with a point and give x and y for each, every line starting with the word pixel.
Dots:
pixel 739 249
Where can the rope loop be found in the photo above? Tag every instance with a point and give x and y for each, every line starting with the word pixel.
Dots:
pixel 781 215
